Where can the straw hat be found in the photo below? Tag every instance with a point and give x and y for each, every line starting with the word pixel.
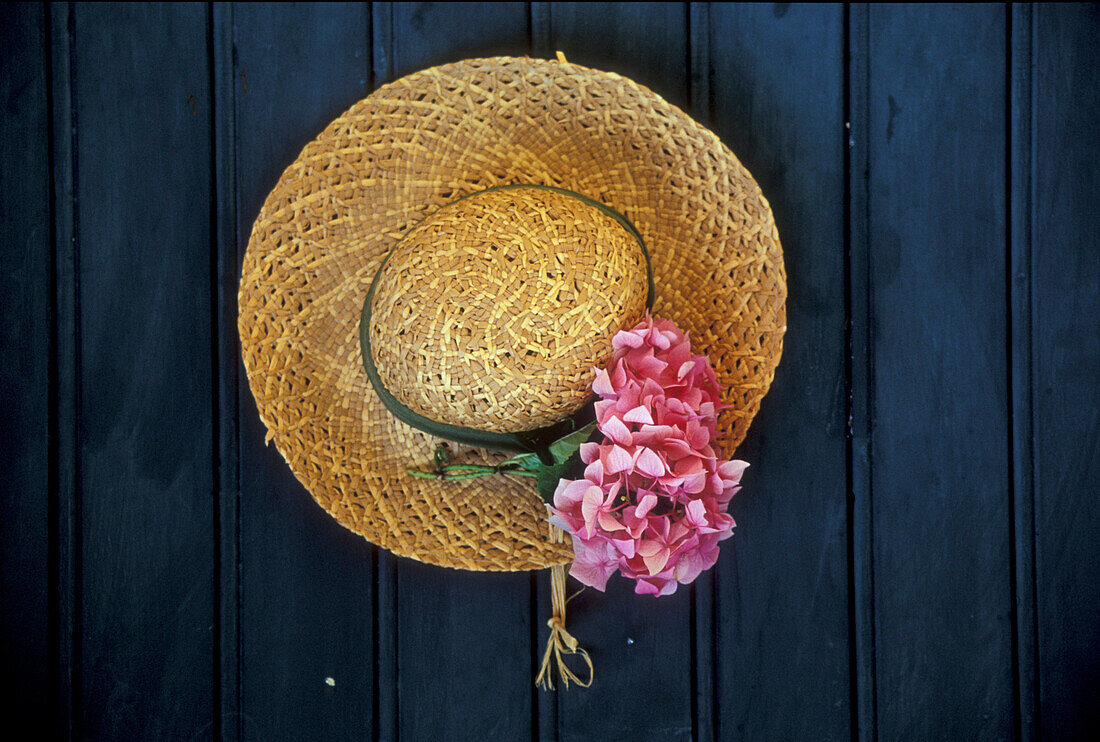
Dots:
pixel 494 303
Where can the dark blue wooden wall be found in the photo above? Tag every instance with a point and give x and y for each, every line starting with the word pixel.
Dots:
pixel 918 555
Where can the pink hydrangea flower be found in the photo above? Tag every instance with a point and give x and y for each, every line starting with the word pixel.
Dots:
pixel 652 503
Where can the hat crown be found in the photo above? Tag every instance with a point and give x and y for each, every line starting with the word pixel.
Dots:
pixel 491 313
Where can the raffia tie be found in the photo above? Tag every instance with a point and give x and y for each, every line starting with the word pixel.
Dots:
pixel 561 642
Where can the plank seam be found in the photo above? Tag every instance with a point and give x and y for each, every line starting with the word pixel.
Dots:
pixel 53 481
pixel 546 707
pixel 376 701
pixel 65 397
pixel 537 46
pixel 1032 364
pixel 703 630
pixel 215 443
pixel 860 378
pixel 1020 362
pixel 224 257
pixel 387 684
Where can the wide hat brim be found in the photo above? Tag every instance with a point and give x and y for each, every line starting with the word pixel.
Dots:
pixel 419 143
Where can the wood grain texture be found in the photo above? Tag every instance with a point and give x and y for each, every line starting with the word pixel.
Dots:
pixel 704 608
pixel 1066 391
pixel 460 638
pixel 860 385
pixel 428 34
pixel 646 43
pixel 386 688
pixel 640 646
pixel 227 723
pixel 464 668
pixel 64 666
pixel 25 366
pixel 142 205
pixel 782 651
pixel 1021 368
pixel 306 584
pixel 704 601
pixel 937 216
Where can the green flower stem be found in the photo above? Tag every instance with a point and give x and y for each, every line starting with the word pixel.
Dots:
pixel 467 471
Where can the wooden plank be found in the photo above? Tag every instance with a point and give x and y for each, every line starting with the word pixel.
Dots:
pixel 641 647
pixel 25 368
pixel 1021 350
pixel 547 708
pixel 861 629
pixel 306 584
pixel 145 412
pixel 228 720
pixel 461 637
pixel 63 490
pixel 386 690
pixel 937 218
pixel 427 34
pixel 463 653
pixel 778 91
pixel 704 601
pixel 645 42
pixel 1065 283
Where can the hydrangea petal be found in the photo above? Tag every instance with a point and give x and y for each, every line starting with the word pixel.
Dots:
pixel 639 414
pixel 617 431
pixel 627 339
pixel 593 564
pixel 602 384
pixel 647 503
pixel 696 513
pixel 649 463
pixel 616 459
pixel 624 545
pixel 569 492
pixel 666 465
pixel 608 522
pixel 589 452
pixel 656 562
pixel 731 471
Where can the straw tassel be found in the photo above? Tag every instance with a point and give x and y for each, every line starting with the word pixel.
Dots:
pixel 561 642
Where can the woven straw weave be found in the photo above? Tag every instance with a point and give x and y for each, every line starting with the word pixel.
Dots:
pixel 491 312
pixel 418 144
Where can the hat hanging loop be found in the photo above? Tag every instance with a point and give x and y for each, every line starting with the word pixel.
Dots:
pixel 561 642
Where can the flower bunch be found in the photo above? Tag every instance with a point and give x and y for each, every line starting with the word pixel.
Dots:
pixel 652 503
